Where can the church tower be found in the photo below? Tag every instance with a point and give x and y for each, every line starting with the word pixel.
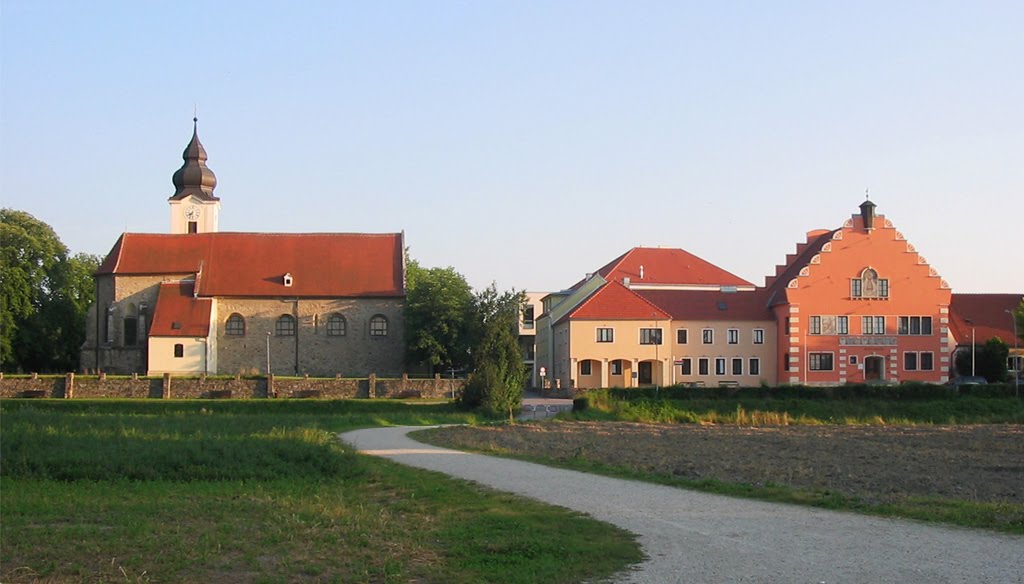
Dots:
pixel 194 208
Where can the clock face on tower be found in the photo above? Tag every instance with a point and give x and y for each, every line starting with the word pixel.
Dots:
pixel 192 212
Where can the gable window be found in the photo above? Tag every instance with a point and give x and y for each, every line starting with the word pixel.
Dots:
pixel 915 325
pixel 820 361
pixel 869 285
pixel 682 336
pixel 605 335
pixel 650 336
pixel 814 326
pixel 702 365
pixel 758 336
pixel 686 366
pixel 843 325
pixel 336 325
pixel 585 367
pixel 616 367
pixel 755 366
pixel 235 326
pixel 720 366
pixel 737 366
pixel 379 326
pixel 872 325
pixel 285 326
pixel 179 351
pixel 707 336
pixel 733 336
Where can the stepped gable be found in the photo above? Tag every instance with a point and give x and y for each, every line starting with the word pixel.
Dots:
pixel 776 285
pixel 179 313
pixel 613 301
pixel 711 304
pixel 321 265
pixel 987 315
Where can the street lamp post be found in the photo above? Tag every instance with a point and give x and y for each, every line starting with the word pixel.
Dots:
pixel 268 353
pixel 1016 357
pixel 968 321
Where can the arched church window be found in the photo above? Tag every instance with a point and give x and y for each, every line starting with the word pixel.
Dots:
pixel 379 326
pixel 336 325
pixel 285 326
pixel 235 325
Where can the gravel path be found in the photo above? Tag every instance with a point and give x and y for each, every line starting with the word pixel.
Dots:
pixel 702 538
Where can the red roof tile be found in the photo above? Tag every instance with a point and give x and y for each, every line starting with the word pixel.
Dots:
pixel 254 264
pixel 180 314
pixel 986 313
pixel 711 305
pixel 815 241
pixel 613 301
pixel 667 266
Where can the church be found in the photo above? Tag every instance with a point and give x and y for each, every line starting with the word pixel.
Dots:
pixel 201 301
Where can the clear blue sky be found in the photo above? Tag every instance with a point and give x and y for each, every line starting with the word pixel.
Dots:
pixel 530 142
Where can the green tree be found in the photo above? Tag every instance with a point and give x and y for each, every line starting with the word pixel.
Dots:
pixel 496 385
pixel 438 316
pixel 44 295
pixel 989 360
pixel 1018 315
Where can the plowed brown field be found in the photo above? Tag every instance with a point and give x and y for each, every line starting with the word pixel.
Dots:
pixel 983 463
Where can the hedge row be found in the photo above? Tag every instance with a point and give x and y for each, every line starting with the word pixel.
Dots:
pixel 904 391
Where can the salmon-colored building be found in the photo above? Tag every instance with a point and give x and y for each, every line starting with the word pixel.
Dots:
pixel 852 305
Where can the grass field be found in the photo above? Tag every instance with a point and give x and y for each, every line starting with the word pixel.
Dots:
pixel 261 491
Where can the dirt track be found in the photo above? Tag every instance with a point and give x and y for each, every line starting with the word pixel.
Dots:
pixel 977 463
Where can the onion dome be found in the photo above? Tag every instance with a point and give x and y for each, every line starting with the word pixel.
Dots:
pixel 194 178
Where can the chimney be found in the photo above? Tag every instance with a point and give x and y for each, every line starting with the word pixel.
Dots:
pixel 867 213
pixel 641 271
pixel 625 282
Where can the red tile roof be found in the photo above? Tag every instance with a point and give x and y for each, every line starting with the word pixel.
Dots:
pixel 711 305
pixel 986 313
pixel 777 285
pixel 179 313
pixel 254 264
pixel 667 266
pixel 613 301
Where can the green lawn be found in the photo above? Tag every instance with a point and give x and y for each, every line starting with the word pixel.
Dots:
pixel 261 491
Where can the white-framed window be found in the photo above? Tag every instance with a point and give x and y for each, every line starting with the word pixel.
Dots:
pixel 910 361
pixel 379 326
pixel 819 361
pixel 682 336
pixel 915 325
pixel 605 335
pixel 686 366
pixel 853 359
pixel 285 326
pixel 585 367
pixel 720 366
pixel 650 336
pixel 737 366
pixel 843 325
pixel 758 336
pixel 707 336
pixel 872 325
pixel 615 367
pixel 754 366
pixel 733 336
pixel 814 325
pixel 869 285
pixel 703 365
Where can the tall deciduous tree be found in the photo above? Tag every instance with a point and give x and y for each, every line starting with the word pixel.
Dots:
pixel 989 360
pixel 44 295
pixel 438 317
pixel 496 384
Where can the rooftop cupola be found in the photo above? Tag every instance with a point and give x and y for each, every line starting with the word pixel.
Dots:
pixel 867 213
pixel 194 178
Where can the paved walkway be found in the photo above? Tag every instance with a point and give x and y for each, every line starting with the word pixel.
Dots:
pixel 706 539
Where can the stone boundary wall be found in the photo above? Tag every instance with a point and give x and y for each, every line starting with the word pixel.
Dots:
pixel 169 387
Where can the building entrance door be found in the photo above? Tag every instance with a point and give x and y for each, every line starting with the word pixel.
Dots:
pixel 873 367
pixel 644 372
